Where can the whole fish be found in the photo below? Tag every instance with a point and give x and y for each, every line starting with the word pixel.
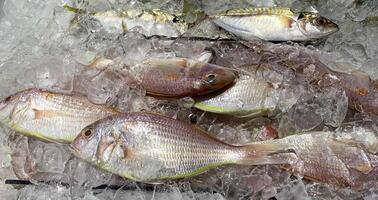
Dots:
pixel 172 77
pixel 344 158
pixel 180 77
pixel 274 24
pixel 251 95
pixel 149 22
pixel 149 148
pixel 50 116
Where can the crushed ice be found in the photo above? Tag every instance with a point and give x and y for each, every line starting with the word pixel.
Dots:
pixel 40 48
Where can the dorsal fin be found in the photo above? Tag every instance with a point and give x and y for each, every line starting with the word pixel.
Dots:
pixel 257 11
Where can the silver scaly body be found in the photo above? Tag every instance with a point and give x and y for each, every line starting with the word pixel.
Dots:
pixel 149 147
pixel 50 116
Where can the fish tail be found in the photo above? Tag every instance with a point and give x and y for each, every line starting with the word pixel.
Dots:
pixel 267 153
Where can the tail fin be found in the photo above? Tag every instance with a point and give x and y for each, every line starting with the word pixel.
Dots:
pixel 104 65
pixel 267 153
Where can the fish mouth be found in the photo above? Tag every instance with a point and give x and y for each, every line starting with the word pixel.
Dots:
pixel 225 80
pixel 76 152
pixel 330 28
pixel 229 77
pixel 334 29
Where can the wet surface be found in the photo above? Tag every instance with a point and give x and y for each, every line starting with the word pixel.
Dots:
pixel 40 47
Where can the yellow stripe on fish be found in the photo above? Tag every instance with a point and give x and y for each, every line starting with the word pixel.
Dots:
pixel 258 11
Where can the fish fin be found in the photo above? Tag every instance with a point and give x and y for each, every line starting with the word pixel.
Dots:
pixel 100 63
pixel 128 153
pixel 154 182
pixel 39 114
pixel 205 57
pixel 361 75
pixel 104 65
pixel 166 63
pixel 264 153
pixel 256 114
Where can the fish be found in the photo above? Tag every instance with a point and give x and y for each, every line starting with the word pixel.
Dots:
pixel 151 148
pixel 251 95
pixel 346 157
pixel 149 22
pixel 171 77
pixel 307 67
pixel 274 24
pixel 50 116
pixel 182 77
pixel 361 90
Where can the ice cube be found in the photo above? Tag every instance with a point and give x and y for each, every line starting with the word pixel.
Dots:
pixel 47 192
pixel 312 110
pixel 294 190
pixel 135 47
pixel 22 164
pixel 48 157
pixel 187 49
pixel 371 194
pixel 212 7
pixel 82 177
pixel 100 85
pixel 7 192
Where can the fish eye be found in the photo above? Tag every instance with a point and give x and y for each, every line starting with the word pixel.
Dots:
pixel 175 19
pixel 320 21
pixel 211 78
pixel 193 118
pixel 87 133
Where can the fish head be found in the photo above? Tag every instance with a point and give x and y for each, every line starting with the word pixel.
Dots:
pixel 315 26
pixel 14 105
pixel 85 144
pixel 211 77
pixel 95 142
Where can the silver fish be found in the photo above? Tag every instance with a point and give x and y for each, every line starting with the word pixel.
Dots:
pixel 253 94
pixel 149 148
pixel 50 116
pixel 148 22
pixel 274 24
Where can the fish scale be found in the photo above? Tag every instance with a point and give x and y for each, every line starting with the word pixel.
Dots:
pixel 250 94
pixel 183 144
